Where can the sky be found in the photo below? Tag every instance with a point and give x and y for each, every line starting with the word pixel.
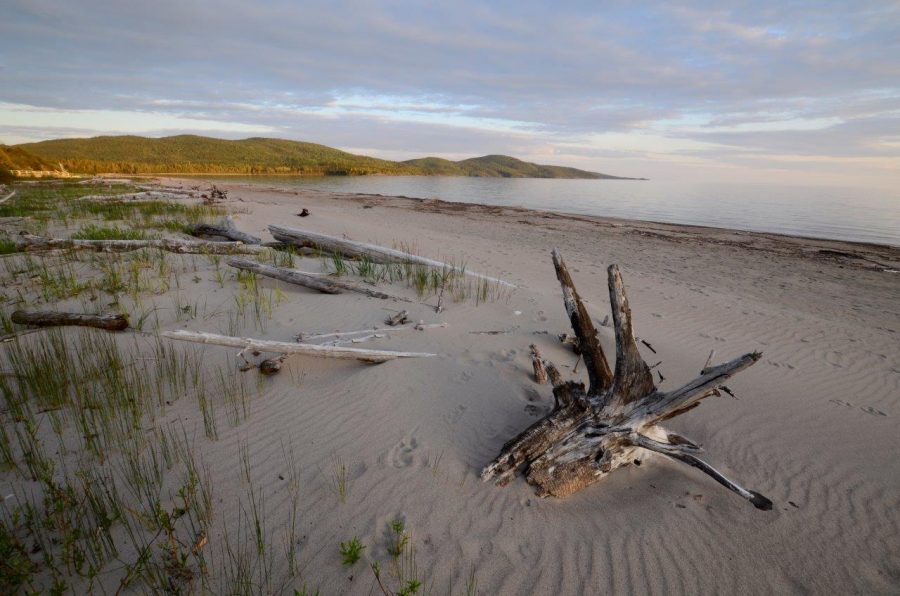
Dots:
pixel 797 92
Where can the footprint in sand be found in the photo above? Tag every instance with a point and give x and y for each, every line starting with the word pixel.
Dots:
pixel 535 411
pixel 403 454
pixel 533 395
pixel 867 409
pixel 455 416
pixel 834 358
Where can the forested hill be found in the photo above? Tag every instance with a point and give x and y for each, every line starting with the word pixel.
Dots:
pixel 190 154
pixel 15 158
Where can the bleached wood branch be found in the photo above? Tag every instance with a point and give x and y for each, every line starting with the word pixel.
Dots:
pixel 346 334
pixel 378 254
pixel 284 347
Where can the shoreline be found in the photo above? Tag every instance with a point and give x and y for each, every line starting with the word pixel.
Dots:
pixel 853 253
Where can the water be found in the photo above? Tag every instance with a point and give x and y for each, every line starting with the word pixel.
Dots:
pixel 860 215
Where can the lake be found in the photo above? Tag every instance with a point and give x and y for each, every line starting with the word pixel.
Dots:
pixel 861 215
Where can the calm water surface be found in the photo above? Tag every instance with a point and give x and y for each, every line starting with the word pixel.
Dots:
pixel 862 215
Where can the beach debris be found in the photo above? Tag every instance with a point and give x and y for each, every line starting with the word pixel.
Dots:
pixel 283 347
pixel 44 318
pixel 537 363
pixel 303 212
pixel 378 254
pixel 270 366
pixel 570 340
pixel 397 319
pixel 595 430
pixel 214 196
pixel 494 331
pixel 308 280
pixel 29 243
pixel 147 195
pixel 362 335
pixel 225 230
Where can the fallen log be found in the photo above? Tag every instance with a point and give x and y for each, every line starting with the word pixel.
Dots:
pixel 43 318
pixel 353 249
pixel 322 284
pixel 592 432
pixel 229 232
pixel 30 243
pixel 284 347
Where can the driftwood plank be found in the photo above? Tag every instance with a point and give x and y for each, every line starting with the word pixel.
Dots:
pixel 283 347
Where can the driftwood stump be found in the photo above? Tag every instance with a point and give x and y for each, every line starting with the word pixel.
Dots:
pixel 592 431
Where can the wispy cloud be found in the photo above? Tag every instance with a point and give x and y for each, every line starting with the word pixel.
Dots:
pixel 633 89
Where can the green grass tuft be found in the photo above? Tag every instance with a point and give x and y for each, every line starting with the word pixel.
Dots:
pixel 95 232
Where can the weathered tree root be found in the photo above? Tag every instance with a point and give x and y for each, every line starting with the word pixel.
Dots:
pixel 589 433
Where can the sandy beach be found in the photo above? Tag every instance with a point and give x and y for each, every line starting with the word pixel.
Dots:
pixel 813 424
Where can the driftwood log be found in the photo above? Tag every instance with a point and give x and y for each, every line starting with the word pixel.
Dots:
pixel 354 249
pixel 315 282
pixel 225 230
pixel 59 319
pixel 30 243
pixel 283 347
pixel 592 431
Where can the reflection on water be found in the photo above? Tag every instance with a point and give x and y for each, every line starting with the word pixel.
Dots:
pixel 822 212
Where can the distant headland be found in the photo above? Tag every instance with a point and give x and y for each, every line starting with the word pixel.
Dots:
pixel 191 154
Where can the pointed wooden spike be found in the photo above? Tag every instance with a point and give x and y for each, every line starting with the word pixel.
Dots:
pixel 633 379
pixel 758 500
pixel 660 406
pixel 599 373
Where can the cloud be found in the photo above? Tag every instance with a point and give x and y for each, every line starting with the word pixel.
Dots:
pixel 466 77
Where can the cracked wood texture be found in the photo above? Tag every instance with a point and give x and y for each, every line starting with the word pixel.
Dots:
pixel 592 432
